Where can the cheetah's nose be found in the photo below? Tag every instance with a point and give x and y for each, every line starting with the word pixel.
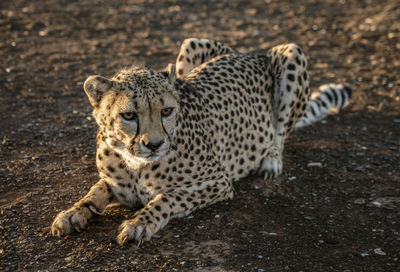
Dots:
pixel 153 146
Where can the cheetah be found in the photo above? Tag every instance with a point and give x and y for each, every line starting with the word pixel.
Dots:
pixel 176 140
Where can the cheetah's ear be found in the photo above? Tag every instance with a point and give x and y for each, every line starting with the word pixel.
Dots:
pixel 171 73
pixel 95 87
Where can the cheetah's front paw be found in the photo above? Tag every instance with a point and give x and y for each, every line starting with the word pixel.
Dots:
pixel 68 221
pixel 134 230
pixel 270 167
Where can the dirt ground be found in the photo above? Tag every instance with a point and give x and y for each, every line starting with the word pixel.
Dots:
pixel 343 216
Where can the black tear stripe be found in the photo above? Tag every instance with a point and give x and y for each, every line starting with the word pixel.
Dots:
pixel 137 128
pixel 169 138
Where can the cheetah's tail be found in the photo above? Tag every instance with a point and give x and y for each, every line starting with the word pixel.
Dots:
pixel 330 99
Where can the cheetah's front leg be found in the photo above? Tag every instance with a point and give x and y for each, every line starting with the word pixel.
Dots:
pixel 76 217
pixel 165 206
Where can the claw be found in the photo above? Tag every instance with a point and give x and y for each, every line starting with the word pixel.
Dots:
pixel 93 209
pixel 55 232
pixel 123 236
pixel 132 231
pixel 271 167
pixel 139 243
pixel 122 239
pixel 139 232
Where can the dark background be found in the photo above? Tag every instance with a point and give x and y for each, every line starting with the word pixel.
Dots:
pixel 343 216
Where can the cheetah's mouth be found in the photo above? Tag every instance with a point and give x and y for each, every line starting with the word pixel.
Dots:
pixel 149 156
pixel 152 156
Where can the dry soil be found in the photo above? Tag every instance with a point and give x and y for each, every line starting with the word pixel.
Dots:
pixel 343 216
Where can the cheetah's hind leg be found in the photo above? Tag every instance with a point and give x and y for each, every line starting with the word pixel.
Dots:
pixel 291 88
pixel 291 92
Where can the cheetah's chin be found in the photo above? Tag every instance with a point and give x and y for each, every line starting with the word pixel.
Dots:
pixel 136 162
pixel 150 158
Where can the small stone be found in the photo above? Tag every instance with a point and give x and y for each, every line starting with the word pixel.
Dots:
pixel 376 204
pixel 364 254
pixel 379 251
pixel 43 32
pixel 10 69
pixel 314 164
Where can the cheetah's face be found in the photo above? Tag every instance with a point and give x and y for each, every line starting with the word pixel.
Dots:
pixel 136 113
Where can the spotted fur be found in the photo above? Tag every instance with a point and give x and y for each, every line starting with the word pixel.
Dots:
pixel 176 144
pixel 330 98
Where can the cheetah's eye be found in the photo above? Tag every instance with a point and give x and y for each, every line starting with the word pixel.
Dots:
pixel 129 116
pixel 166 112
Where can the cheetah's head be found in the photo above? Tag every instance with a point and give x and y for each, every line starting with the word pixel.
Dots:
pixel 136 112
